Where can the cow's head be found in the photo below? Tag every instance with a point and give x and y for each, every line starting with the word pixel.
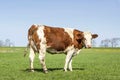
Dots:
pixel 83 39
pixel 88 39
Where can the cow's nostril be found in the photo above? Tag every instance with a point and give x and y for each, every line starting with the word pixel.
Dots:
pixel 89 47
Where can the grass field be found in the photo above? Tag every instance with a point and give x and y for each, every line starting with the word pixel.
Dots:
pixel 90 64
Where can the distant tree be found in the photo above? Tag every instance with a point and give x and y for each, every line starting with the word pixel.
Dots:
pixel 7 42
pixel 1 43
pixel 115 42
pixel 105 43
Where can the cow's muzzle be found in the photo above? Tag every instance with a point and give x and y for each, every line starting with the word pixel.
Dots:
pixel 88 46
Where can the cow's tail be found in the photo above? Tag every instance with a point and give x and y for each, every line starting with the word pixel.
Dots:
pixel 31 31
pixel 26 49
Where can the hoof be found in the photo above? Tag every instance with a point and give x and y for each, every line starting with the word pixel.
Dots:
pixel 45 71
pixel 70 70
pixel 64 70
pixel 32 70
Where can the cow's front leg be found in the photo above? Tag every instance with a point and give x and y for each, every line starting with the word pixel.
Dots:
pixel 31 58
pixel 70 65
pixel 68 60
pixel 42 61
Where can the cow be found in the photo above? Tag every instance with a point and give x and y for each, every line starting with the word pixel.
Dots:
pixel 56 40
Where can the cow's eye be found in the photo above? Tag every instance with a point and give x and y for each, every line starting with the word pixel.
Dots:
pixel 79 41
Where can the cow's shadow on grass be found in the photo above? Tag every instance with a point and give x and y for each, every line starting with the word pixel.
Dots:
pixel 51 69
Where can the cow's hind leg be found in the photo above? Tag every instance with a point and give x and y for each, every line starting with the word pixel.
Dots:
pixel 42 60
pixel 31 58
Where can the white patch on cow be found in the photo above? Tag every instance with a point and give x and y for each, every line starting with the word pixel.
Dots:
pixel 88 39
pixel 69 31
pixel 41 34
pixel 69 48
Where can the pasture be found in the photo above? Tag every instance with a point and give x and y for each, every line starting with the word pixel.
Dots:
pixel 90 64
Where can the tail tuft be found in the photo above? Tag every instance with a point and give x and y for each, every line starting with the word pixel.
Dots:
pixel 26 50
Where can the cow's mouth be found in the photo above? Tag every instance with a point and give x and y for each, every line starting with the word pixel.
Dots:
pixel 87 46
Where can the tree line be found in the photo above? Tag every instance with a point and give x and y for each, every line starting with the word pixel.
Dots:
pixel 113 42
pixel 6 43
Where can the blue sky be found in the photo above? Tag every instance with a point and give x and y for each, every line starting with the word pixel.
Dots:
pixel 97 16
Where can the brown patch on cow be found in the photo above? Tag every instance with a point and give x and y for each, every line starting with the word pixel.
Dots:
pixel 32 36
pixel 78 37
pixel 36 40
pixel 32 29
pixel 57 38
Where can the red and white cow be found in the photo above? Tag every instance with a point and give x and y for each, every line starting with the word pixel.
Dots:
pixel 56 40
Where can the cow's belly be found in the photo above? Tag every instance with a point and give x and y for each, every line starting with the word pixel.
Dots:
pixel 53 51
pixel 71 48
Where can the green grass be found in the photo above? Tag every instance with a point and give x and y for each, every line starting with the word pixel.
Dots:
pixel 90 64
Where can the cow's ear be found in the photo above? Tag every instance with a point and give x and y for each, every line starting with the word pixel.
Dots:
pixel 94 36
